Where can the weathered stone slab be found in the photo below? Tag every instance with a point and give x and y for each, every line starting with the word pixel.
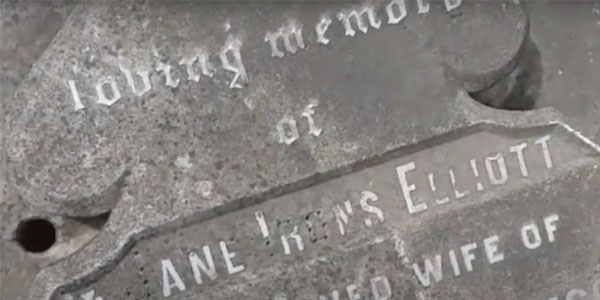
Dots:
pixel 304 125
pixel 570 73
pixel 232 80
pixel 510 219
pixel 27 28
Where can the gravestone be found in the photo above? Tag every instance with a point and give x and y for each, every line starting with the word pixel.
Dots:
pixel 304 150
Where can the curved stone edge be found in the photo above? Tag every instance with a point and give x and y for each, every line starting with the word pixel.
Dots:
pixel 79 205
pixel 109 251
pixel 474 82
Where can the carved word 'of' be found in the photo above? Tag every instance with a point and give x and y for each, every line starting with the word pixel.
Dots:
pixel 287 127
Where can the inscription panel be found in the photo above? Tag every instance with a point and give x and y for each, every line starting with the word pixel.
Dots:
pixel 230 88
pixel 504 232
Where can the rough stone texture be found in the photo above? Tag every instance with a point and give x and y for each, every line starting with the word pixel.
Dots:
pixel 27 28
pixel 63 161
pixel 201 150
pixel 73 162
pixel 330 258
pixel 570 65
pixel 507 25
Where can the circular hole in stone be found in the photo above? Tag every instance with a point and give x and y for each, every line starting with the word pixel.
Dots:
pixel 36 235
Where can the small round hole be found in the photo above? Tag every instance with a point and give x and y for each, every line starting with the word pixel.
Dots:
pixel 36 235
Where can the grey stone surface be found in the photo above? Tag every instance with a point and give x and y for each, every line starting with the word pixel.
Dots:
pixel 570 63
pixel 27 27
pixel 188 154
pixel 74 162
pixel 384 238
pixel 505 25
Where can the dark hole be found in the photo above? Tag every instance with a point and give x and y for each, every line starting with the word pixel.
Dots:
pixel 36 235
pixel 518 90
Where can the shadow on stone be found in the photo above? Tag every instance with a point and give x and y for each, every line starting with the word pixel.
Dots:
pixel 520 89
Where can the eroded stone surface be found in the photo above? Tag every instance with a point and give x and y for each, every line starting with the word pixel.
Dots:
pixel 570 73
pixel 176 173
pixel 73 142
pixel 450 220
pixel 27 29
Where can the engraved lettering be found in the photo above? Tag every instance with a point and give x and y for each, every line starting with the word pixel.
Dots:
pixel 335 295
pixel 518 149
pixel 307 113
pixel 576 294
pixel 431 269
pixel 262 223
pixel 189 67
pixel 454 263
pixel 287 128
pixel 530 235
pixel 391 14
pixel 408 188
pixel 499 159
pixel 346 17
pixel 228 256
pixel 321 29
pixel 367 196
pixel 550 224
pixel 452 4
pixel 287 136
pixel 352 292
pixel 169 273
pixel 75 93
pixel 434 189
pixel 342 217
pixel 458 194
pixel 232 48
pixel 291 30
pixel 296 237
pixel 91 295
pixel 280 296
pixel 491 249
pixel 468 256
pixel 166 69
pixel 475 169
pixel 423 6
pixel 205 67
pixel 198 266
pixel 131 82
pixel 381 289
pixel 543 142
pixel 288 38
pixel 116 94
